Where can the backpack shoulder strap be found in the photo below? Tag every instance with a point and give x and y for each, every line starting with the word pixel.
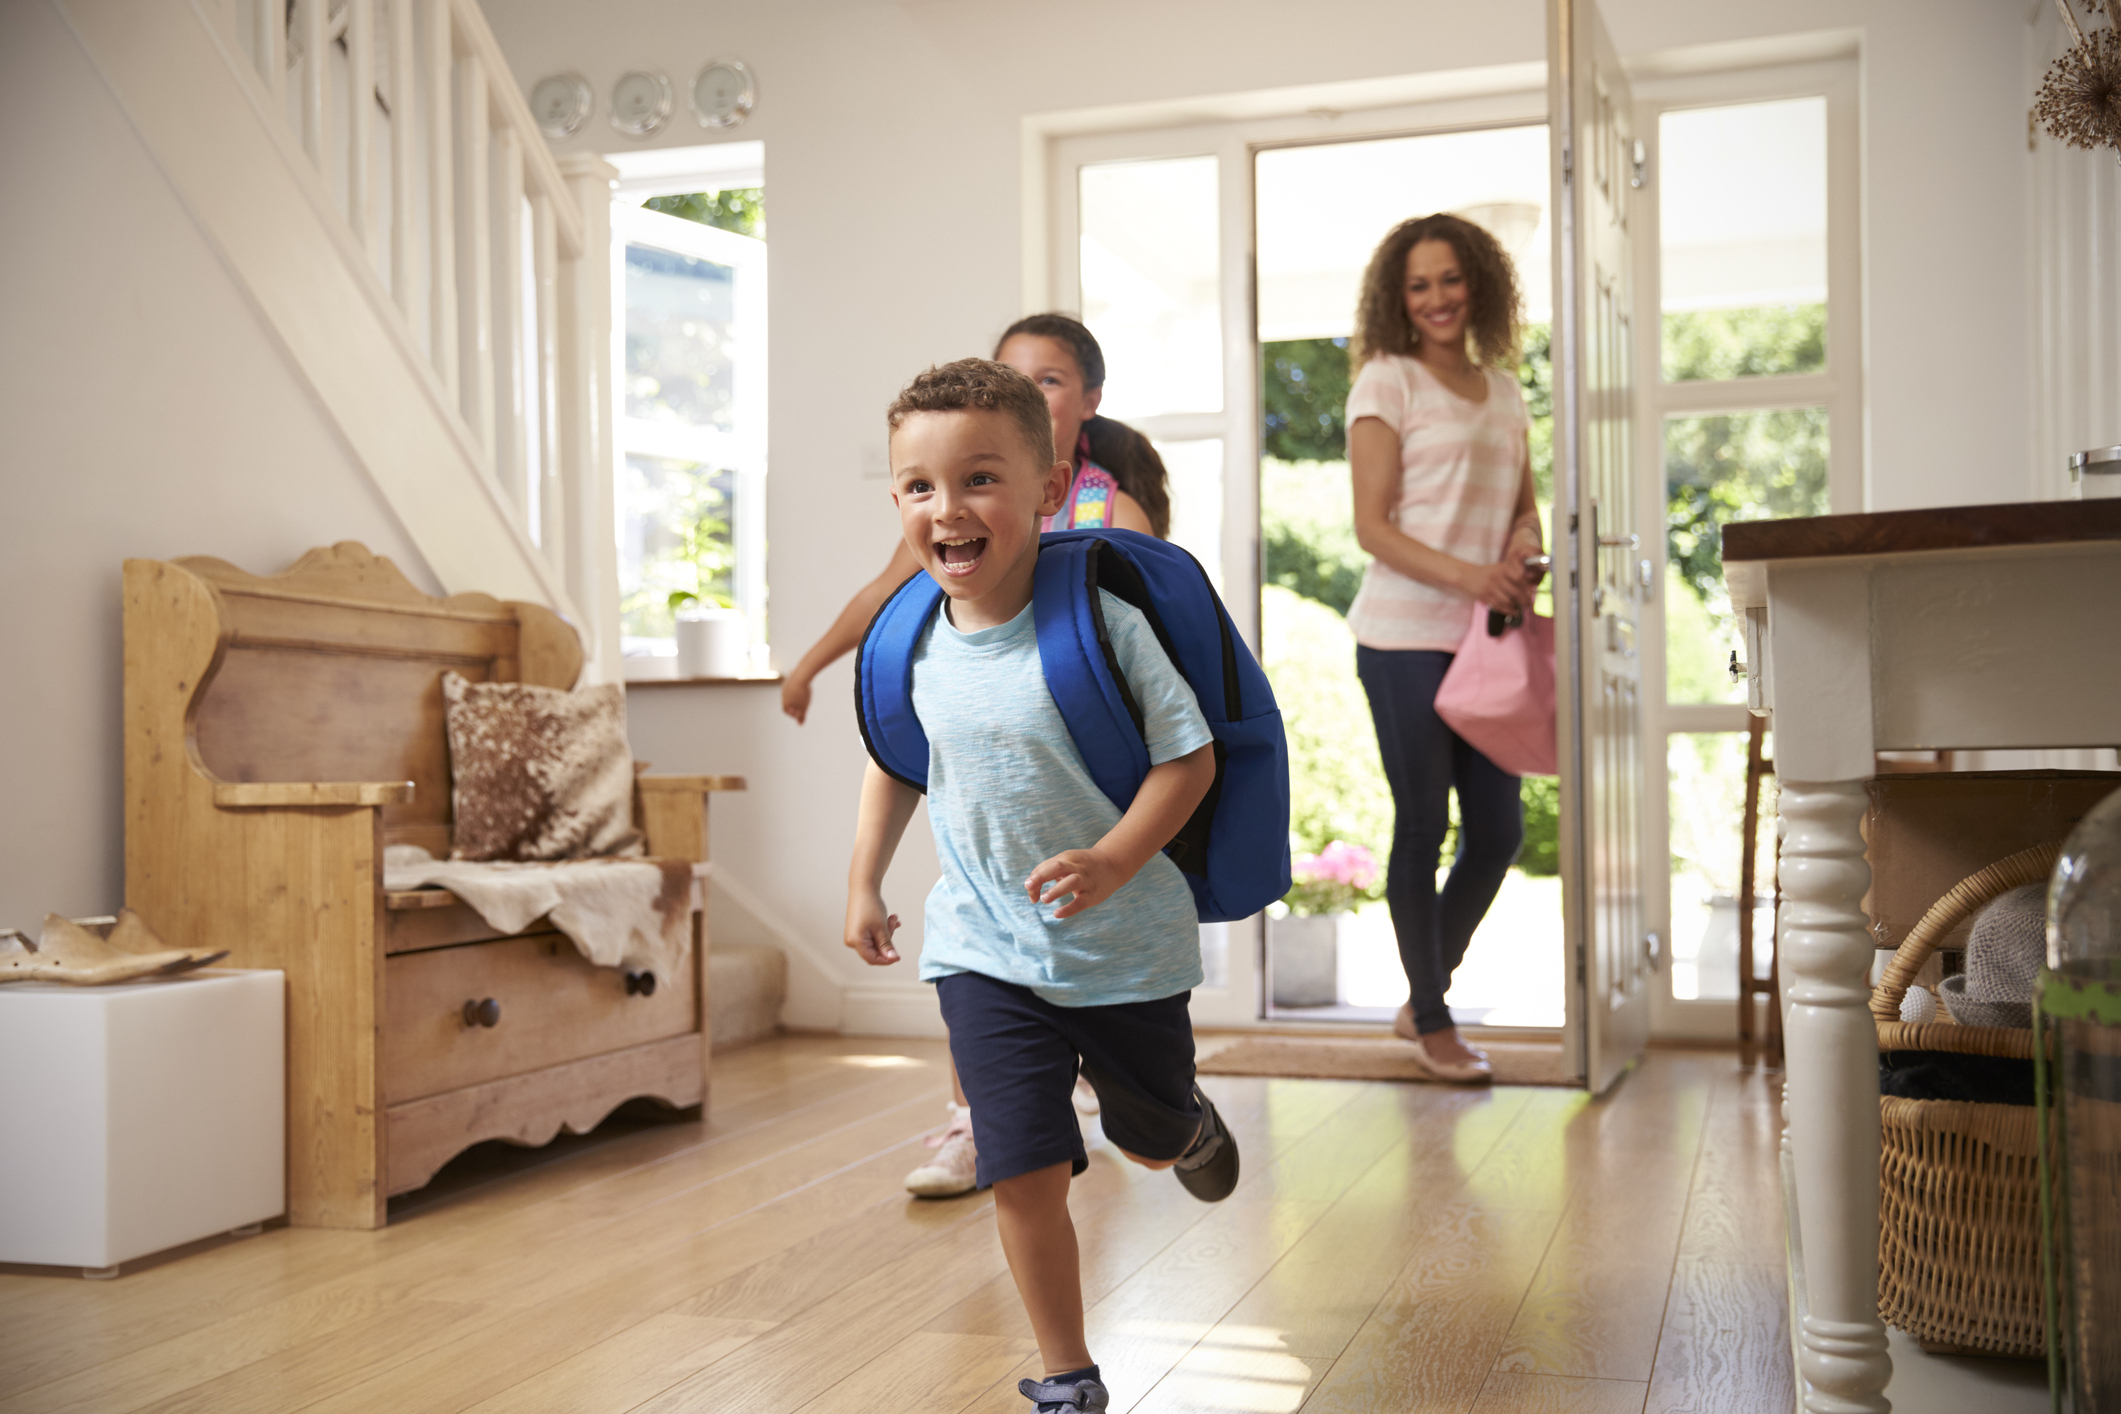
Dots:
pixel 883 682
pixel 1082 670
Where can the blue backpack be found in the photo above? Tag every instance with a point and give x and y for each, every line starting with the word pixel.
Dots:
pixel 1234 852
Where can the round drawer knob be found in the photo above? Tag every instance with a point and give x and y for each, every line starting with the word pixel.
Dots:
pixel 640 984
pixel 484 1012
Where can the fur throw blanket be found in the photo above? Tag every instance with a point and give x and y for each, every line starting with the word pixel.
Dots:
pixel 625 912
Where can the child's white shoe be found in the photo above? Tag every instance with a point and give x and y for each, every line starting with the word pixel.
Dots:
pixel 1085 1097
pixel 955 1167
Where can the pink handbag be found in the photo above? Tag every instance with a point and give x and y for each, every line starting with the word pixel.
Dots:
pixel 1499 694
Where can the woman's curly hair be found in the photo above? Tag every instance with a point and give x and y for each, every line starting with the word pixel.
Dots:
pixel 1494 304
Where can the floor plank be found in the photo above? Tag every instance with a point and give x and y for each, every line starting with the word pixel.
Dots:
pixel 1391 1248
pixel 1557 1394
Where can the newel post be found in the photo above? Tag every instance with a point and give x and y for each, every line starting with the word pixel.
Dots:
pixel 588 418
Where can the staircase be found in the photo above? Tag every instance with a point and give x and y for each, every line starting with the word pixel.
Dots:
pixel 372 176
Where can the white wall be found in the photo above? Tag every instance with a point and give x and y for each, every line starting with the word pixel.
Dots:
pixel 893 153
pixel 145 410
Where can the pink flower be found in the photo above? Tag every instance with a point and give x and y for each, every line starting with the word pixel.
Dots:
pixel 1338 863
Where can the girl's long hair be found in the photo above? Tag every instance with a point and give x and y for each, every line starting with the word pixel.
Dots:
pixel 1492 298
pixel 1118 448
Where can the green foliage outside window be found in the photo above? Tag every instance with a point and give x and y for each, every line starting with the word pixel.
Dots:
pixel 739 209
pixel 1744 343
pixel 1729 467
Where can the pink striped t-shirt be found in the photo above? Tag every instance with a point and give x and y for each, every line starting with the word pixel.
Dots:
pixel 1461 465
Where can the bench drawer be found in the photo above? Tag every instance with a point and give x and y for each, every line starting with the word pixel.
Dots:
pixel 550 1005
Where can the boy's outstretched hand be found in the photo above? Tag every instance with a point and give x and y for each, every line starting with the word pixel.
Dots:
pixel 869 930
pixel 1090 874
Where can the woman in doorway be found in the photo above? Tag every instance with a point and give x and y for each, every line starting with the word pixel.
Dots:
pixel 1444 508
pixel 1120 482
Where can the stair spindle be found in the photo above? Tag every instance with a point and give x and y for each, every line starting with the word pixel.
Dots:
pixel 474 196
pixel 404 133
pixel 550 531
pixel 512 430
pixel 440 61
pixel 310 17
pixel 360 120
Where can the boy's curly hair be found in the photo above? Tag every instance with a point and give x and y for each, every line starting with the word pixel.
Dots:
pixel 1493 302
pixel 980 384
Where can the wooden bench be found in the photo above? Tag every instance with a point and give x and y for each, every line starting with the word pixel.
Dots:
pixel 280 732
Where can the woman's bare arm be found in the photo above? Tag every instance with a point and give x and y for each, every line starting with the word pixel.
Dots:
pixel 846 631
pixel 1373 459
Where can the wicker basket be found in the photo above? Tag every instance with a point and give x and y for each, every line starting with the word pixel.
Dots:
pixel 1959 1206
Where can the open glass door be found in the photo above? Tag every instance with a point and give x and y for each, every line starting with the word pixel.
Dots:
pixel 1596 171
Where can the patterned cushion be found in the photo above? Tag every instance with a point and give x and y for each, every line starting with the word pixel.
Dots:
pixel 539 773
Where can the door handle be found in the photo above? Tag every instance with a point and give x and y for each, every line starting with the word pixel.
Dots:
pixel 1620 542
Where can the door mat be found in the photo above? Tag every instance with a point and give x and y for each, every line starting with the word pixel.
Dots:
pixel 1384 1058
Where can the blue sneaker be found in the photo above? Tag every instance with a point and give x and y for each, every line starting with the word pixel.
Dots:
pixel 1078 1392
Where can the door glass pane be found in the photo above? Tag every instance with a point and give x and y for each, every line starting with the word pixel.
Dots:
pixel 1196 478
pixel 1707 774
pixel 1742 209
pixel 1152 283
pixel 1718 469
pixel 1323 209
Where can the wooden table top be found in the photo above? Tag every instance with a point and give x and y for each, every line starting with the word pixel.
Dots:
pixel 1939 528
pixel 1749 546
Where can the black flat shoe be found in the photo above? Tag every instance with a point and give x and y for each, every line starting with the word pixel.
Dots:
pixel 1209 1168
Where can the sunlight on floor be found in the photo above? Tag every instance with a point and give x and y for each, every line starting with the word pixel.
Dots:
pixel 881 1062
pixel 1512 974
pixel 1243 1369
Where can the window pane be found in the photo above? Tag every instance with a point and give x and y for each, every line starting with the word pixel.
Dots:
pixel 1707 771
pixel 1743 239
pixel 680 339
pixel 1152 283
pixel 675 533
pixel 1719 469
pixel 1322 210
pixel 1196 470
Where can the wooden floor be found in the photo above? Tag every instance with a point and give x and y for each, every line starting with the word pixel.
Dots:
pixel 1391 1248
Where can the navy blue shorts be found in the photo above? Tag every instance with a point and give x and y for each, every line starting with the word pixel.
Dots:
pixel 1017 1056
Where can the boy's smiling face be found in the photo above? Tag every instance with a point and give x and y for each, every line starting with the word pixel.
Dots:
pixel 970 493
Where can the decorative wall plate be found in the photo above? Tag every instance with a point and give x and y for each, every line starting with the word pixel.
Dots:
pixel 724 93
pixel 561 104
pixel 641 102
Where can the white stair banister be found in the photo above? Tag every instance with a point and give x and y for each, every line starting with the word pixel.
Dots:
pixel 453 208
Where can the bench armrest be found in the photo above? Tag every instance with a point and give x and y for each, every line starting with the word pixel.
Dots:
pixel 236 795
pixel 674 813
pixel 697 785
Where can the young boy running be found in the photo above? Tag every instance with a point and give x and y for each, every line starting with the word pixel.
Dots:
pixel 1059 935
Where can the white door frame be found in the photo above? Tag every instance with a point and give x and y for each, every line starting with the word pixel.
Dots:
pixel 1839 389
pixel 1055 148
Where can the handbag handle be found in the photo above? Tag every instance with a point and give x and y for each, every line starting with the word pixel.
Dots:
pixel 1536 566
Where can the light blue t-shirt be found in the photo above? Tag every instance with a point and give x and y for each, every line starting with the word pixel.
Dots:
pixel 1007 790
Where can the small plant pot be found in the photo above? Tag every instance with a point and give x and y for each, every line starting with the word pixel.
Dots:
pixel 1304 959
pixel 712 643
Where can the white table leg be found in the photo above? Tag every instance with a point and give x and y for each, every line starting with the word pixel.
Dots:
pixel 1831 1083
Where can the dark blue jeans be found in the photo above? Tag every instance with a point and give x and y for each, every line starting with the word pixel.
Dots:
pixel 1424 761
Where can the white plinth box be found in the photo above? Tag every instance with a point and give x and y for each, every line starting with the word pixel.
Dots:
pixel 139 1117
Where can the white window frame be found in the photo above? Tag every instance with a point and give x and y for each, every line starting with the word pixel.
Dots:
pixel 1839 389
pixel 1058 146
pixel 743 452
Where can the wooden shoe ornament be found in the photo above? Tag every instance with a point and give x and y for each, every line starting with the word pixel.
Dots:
pixel 96 953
